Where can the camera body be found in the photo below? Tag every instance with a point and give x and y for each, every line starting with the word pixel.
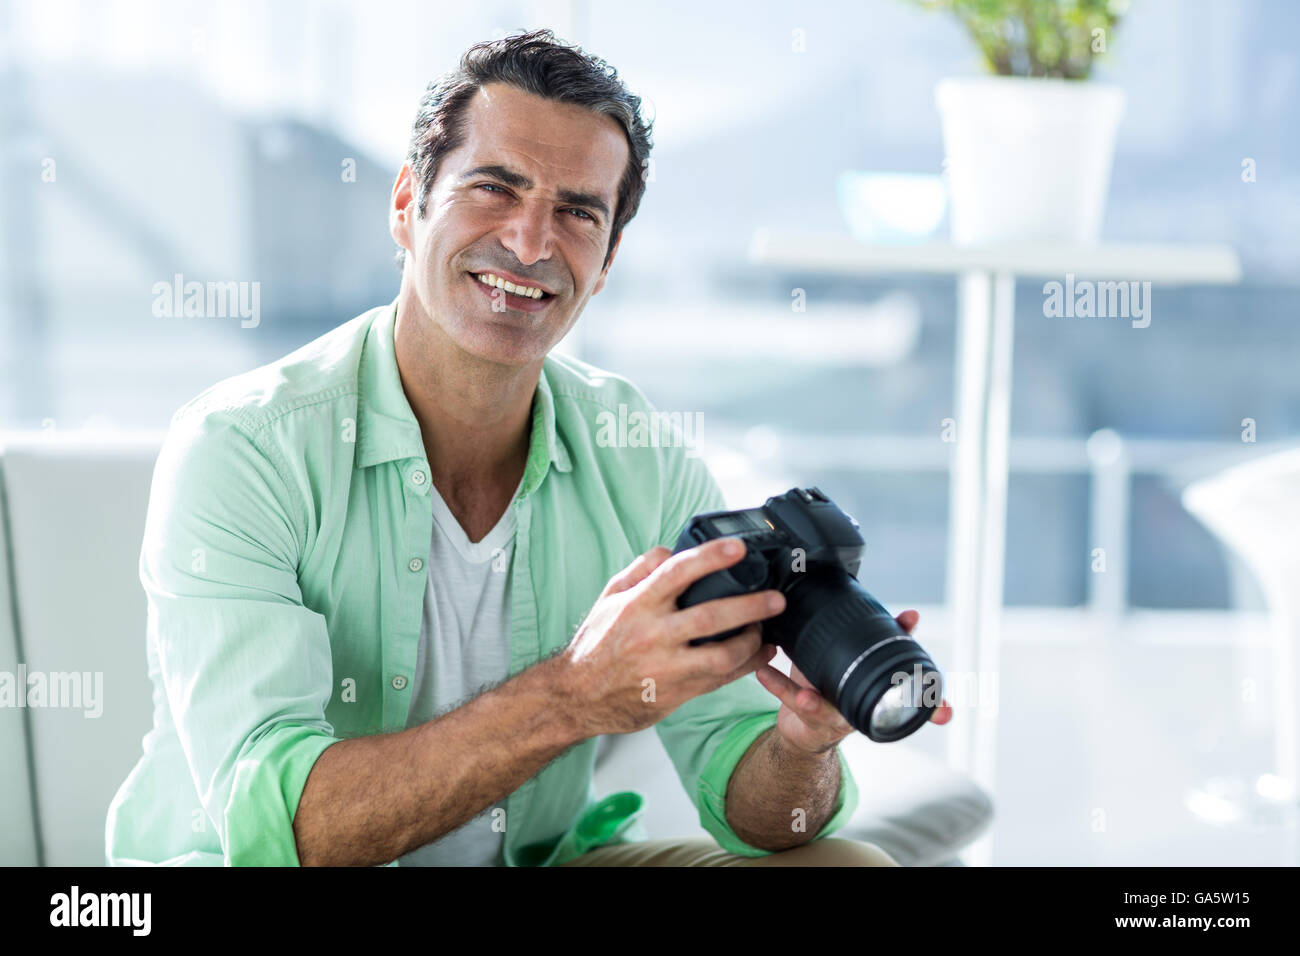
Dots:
pixel 840 637
pixel 793 534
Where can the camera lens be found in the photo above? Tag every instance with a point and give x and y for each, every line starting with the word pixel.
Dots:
pixel 895 709
pixel 857 656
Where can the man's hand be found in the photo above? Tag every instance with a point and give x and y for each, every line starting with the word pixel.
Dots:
pixel 809 722
pixel 631 663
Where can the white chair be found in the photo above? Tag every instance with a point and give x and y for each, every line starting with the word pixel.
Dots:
pixel 76 506
pixel 17 832
pixel 75 509
pixel 1254 509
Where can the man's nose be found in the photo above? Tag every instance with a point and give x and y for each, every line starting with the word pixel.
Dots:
pixel 529 232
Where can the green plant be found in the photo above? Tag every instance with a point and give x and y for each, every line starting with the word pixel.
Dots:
pixel 1057 38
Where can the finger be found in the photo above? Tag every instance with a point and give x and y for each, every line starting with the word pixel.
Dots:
pixel 721 658
pixel 907 620
pixel 812 707
pixel 762 656
pixel 784 689
pixel 942 714
pixel 685 568
pixel 796 675
pixel 722 614
pixel 636 572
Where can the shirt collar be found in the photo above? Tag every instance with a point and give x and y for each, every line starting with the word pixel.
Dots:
pixel 388 430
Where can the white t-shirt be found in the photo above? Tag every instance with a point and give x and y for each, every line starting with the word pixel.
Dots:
pixel 464 649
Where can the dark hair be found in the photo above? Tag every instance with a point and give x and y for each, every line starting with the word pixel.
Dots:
pixel 540 64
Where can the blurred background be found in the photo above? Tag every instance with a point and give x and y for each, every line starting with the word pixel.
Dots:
pixel 258 141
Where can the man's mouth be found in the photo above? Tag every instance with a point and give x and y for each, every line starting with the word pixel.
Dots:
pixel 525 291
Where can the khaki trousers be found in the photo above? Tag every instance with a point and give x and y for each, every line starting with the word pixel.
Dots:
pixel 703 851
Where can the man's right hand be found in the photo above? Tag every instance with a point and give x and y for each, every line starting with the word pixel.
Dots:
pixel 631 664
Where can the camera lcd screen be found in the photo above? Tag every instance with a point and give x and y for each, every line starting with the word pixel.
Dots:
pixel 738 522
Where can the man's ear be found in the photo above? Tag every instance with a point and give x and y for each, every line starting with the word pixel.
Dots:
pixel 401 211
pixel 604 273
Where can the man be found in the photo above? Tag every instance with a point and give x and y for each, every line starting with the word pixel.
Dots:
pixel 397 589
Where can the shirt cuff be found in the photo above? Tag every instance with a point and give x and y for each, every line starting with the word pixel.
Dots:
pixel 717 773
pixel 264 798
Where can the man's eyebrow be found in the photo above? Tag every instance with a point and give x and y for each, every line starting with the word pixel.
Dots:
pixel 520 181
pixel 506 175
pixel 589 200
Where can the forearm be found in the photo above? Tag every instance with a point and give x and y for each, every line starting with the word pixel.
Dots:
pixel 368 800
pixel 771 784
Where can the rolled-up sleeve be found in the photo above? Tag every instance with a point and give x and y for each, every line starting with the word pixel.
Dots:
pixel 712 800
pixel 246 667
pixel 707 736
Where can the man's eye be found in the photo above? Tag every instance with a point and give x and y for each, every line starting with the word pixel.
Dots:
pixel 491 186
pixel 583 213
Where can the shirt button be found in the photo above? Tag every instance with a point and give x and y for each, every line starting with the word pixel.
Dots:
pixel 399 682
pixel 415 564
pixel 418 478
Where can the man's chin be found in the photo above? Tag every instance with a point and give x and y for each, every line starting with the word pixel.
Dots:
pixel 504 343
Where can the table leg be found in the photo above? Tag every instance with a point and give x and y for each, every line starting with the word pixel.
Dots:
pixel 977 519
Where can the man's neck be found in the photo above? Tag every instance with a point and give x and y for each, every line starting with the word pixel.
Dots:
pixel 475 418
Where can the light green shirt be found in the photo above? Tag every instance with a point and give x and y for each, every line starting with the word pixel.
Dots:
pixel 283 562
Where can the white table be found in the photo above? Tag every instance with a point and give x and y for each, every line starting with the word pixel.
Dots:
pixel 978 483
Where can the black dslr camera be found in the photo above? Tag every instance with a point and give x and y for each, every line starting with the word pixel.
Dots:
pixel 838 635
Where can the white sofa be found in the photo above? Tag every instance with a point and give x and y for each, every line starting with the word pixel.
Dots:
pixel 70 600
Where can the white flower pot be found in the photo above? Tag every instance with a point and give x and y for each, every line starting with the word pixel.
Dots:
pixel 1028 159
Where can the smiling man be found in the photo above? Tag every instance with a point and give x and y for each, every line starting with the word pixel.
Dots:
pixel 397 589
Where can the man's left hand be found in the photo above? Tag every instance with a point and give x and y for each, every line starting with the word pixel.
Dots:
pixel 809 722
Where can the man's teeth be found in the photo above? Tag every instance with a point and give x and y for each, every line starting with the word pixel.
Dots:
pixel 528 292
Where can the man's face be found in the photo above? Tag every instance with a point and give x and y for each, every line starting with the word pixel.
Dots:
pixel 529 195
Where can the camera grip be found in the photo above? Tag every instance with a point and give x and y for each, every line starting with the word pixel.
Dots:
pixel 744 577
pixel 721 584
